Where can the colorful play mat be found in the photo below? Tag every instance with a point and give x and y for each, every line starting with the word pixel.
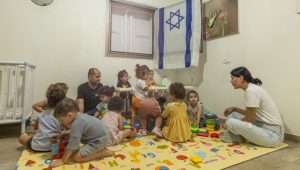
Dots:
pixel 150 153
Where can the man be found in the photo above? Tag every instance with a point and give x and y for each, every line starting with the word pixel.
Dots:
pixel 87 97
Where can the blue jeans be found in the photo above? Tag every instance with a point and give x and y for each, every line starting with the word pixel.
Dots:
pixel 258 133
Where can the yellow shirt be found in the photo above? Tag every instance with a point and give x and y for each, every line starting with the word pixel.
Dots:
pixel 178 128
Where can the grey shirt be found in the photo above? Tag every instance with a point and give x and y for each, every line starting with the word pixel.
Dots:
pixel 86 129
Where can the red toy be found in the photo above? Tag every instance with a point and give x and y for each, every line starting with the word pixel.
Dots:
pixel 63 142
pixel 203 134
pixel 215 135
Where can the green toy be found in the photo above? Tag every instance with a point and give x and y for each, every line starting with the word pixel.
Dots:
pixel 126 124
pixel 194 129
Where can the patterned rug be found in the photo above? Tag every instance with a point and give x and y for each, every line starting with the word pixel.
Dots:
pixel 158 154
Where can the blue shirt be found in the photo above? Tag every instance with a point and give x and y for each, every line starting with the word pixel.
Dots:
pixel 48 126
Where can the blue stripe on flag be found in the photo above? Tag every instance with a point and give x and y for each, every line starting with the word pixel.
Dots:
pixel 161 38
pixel 188 34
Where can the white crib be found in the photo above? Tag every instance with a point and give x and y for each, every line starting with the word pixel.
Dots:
pixel 16 92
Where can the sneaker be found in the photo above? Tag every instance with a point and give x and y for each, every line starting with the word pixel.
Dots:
pixel 157 132
pixel 229 137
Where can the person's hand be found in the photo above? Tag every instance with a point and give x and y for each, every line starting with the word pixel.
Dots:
pixel 56 163
pixel 228 111
pixel 129 133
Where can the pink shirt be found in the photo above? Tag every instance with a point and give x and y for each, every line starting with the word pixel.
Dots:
pixel 113 122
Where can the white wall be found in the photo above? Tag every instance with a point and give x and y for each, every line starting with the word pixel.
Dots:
pixel 68 37
pixel 63 40
pixel 268 44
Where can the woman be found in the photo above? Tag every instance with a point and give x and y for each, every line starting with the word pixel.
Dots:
pixel 260 122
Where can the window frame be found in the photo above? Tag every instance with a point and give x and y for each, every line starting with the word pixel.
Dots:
pixel 121 54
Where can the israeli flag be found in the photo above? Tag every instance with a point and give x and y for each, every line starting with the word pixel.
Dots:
pixel 177 35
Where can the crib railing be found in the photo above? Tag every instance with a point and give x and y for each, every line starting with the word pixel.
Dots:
pixel 16 92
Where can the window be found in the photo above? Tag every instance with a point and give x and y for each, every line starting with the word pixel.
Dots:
pixel 131 31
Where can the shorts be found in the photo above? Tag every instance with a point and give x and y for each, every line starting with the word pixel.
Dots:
pixel 29 146
pixel 92 147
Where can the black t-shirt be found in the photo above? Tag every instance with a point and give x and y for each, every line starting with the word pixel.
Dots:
pixel 89 96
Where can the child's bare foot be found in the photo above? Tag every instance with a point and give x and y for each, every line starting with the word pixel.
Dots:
pixel 106 153
pixel 157 132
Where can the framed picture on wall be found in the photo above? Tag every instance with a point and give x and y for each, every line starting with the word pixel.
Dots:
pixel 220 18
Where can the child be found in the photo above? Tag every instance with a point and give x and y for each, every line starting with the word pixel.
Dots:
pixel 178 128
pixel 144 105
pixel 42 105
pixel 124 83
pixel 194 108
pixel 114 122
pixel 48 126
pixel 84 129
pixel 150 80
pixel 123 79
pixel 104 93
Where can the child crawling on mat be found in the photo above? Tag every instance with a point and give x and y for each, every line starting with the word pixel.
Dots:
pixel 84 129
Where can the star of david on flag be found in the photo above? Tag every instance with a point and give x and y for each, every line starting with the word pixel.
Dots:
pixel 174 23
pixel 177 35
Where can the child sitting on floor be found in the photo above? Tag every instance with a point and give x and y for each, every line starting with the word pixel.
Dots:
pixel 123 78
pixel 42 105
pixel 84 129
pixel 143 105
pixel 104 93
pixel 178 128
pixel 48 126
pixel 114 122
pixel 194 108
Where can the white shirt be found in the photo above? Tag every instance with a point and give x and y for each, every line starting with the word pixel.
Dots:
pixel 139 88
pixel 267 111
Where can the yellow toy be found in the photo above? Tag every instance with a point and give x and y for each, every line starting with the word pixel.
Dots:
pixel 196 159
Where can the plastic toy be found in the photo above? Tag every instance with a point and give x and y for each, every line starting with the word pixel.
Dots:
pixel 202 130
pixel 58 145
pixel 215 135
pixel 194 129
pixel 203 134
pixel 54 147
pixel 210 124
pixel 126 124
pixel 210 121
pixel 196 159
